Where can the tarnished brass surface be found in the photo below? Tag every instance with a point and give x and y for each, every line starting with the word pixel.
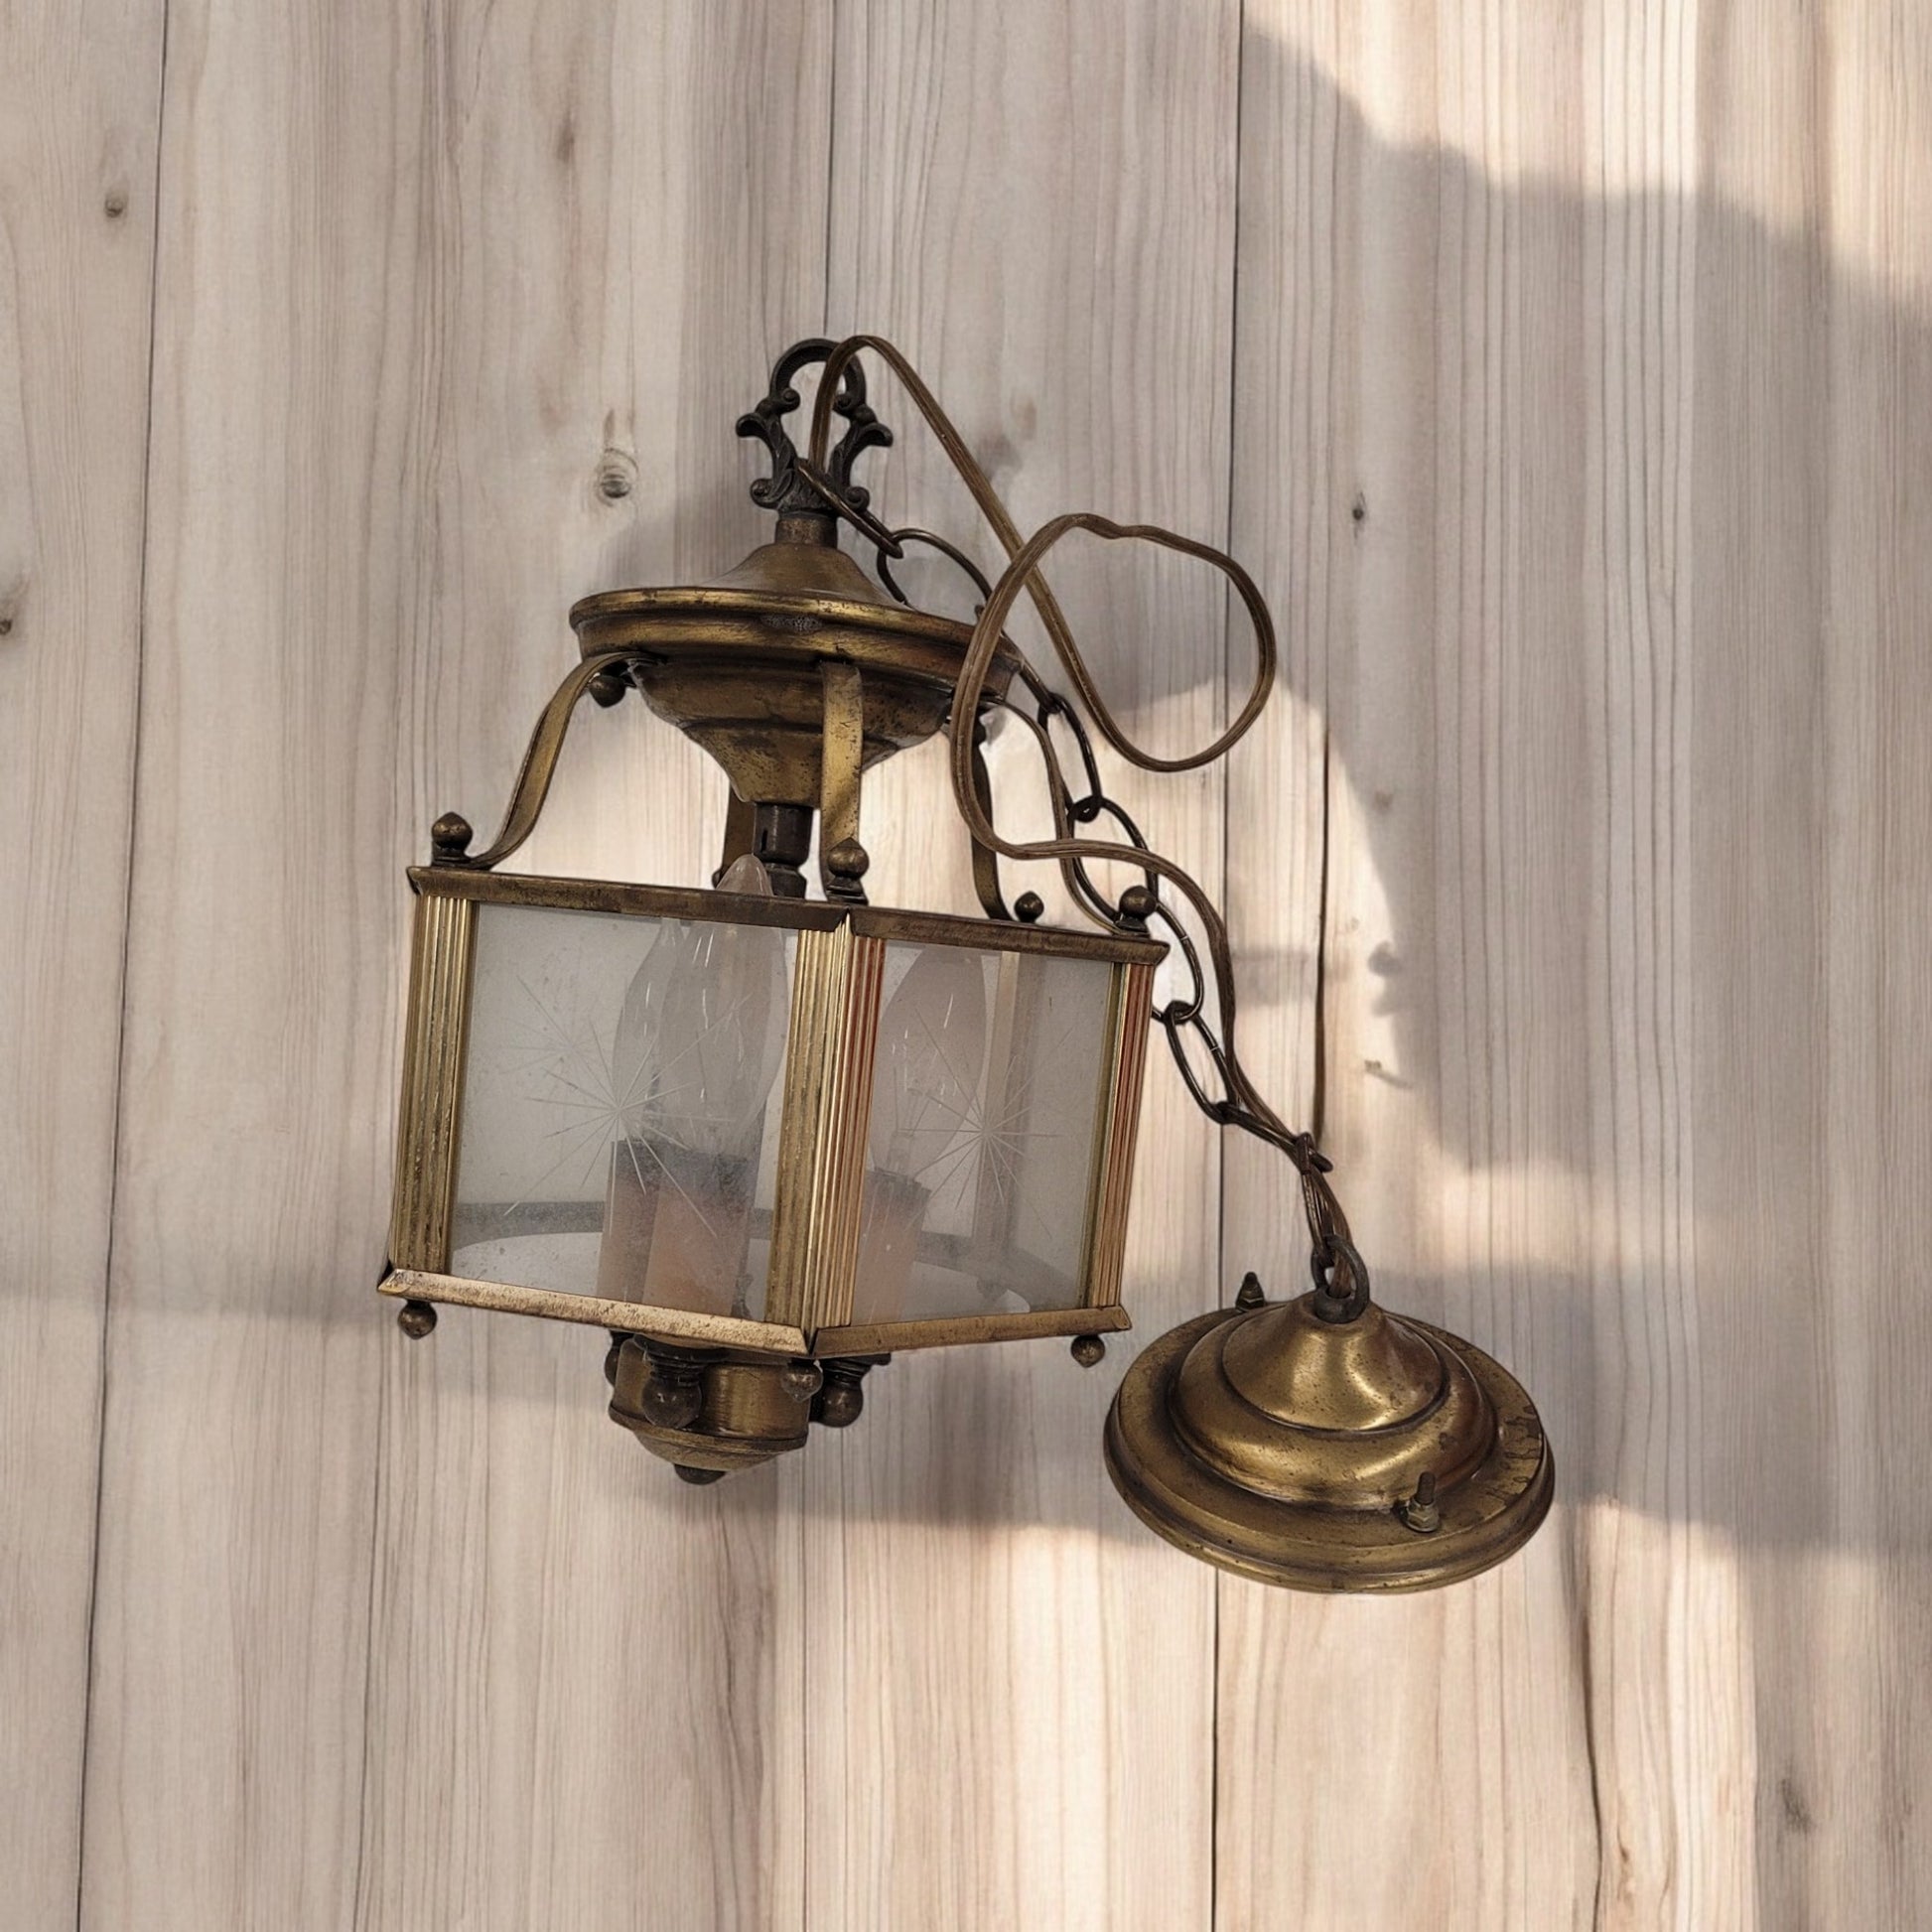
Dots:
pixel 827 1095
pixel 796 581
pixel 821 1154
pixel 842 758
pixel 1371 1373
pixel 552 1305
pixel 1312 1411
pixel 946 1332
pixel 1114 1174
pixel 614 896
pixel 735 663
pixel 750 1409
pixel 441 958
pixel 1294 1450
pixel 949 930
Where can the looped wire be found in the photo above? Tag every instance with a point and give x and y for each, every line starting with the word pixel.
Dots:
pixel 1239 1104
pixel 950 551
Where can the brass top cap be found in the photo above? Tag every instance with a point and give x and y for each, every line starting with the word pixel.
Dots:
pixel 1369 1373
pixel 810 595
pixel 794 569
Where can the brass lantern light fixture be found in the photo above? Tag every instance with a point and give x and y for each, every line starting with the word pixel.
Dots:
pixel 768 1138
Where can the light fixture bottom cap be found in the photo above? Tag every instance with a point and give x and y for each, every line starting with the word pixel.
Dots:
pixel 1359 1543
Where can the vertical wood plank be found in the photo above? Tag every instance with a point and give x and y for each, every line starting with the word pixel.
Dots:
pixel 1009 1683
pixel 1760 709
pixel 79 100
pixel 1874 1745
pixel 1493 508
pixel 585 1686
pixel 232 1620
pixel 456 312
pixel 1813 1103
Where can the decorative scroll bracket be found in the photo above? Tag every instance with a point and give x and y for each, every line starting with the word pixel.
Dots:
pixel 787 489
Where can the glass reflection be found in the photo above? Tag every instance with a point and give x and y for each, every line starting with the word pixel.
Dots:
pixel 699 1044
pixel 931 1043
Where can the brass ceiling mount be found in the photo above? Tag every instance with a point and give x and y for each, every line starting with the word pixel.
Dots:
pixel 766 1140
pixel 1377 1454
pixel 737 663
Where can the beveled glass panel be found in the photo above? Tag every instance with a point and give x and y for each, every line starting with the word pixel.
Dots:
pixel 988 1106
pixel 620 1107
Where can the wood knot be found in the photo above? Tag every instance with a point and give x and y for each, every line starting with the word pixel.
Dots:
pixel 616 475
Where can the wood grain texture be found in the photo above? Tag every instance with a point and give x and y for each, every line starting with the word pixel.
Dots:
pixel 80 97
pixel 1430 332
pixel 584 1702
pixel 1609 669
pixel 1009 1684
pixel 1813 1104
pixel 410 405
pixel 1565 374
pixel 224 1750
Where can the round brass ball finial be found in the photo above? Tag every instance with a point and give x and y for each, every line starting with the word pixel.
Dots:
pixel 450 838
pixel 416 1320
pixel 1378 1453
pixel 848 860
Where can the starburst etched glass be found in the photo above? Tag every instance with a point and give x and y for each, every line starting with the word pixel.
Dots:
pixel 620 1117
pixel 988 1088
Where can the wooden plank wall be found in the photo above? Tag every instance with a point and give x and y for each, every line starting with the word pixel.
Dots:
pixel 1073 1786
pixel 1565 374
pixel 76 253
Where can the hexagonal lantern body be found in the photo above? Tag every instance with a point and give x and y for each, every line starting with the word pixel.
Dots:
pixel 798 1129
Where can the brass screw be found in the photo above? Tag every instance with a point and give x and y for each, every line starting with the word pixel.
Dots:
pixel 416 1320
pixel 801 1380
pixel 1088 1349
pixel 673 1392
pixel 1421 1512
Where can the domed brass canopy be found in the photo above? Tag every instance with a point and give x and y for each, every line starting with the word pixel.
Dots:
pixel 1373 1455
pixel 735 663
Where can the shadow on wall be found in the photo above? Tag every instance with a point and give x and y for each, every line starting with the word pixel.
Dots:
pixel 1557 543
pixel 1547 536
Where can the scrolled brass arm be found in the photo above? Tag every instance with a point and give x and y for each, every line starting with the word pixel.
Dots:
pixel 540 756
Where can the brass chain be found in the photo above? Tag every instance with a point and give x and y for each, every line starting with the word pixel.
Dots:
pixel 1342 1279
